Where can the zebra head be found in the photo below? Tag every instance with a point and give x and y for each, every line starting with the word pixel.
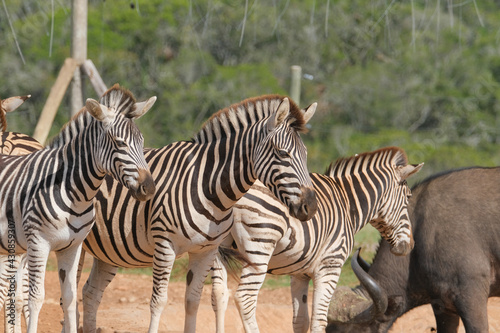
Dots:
pixel 393 220
pixel 281 159
pixel 120 143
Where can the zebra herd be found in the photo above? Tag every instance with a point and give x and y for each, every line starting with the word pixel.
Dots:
pixel 241 181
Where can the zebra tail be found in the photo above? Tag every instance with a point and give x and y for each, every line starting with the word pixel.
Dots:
pixel 233 260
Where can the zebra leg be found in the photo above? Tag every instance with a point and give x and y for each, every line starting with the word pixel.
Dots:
pixel 38 253
pixel 220 293
pixel 20 272
pixel 78 277
pixel 163 262
pixel 10 289
pixel 100 277
pixel 198 268
pixel 4 278
pixel 299 287
pixel 67 263
pixel 5 274
pixel 325 281
pixel 22 292
pixel 248 289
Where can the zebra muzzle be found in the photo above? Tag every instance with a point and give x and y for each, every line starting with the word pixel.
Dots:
pixel 403 247
pixel 306 207
pixel 145 186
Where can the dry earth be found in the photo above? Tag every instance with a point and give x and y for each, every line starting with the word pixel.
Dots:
pixel 125 308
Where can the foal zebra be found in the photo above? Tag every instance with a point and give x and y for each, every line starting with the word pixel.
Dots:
pixel 46 197
pixel 369 187
pixel 198 183
pixel 12 143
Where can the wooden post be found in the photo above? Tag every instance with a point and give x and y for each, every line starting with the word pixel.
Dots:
pixel 73 68
pixel 295 84
pixel 56 95
pixel 89 69
pixel 78 50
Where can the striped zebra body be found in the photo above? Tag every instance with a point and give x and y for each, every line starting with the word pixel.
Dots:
pixel 14 281
pixel 46 197
pixel 198 183
pixel 370 187
pixel 12 143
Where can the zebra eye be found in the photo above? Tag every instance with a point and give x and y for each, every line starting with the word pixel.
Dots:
pixel 283 153
pixel 120 143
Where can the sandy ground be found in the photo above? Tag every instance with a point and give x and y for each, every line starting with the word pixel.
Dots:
pixel 125 308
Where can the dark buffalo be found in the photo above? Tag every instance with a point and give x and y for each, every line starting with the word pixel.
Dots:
pixel 454 266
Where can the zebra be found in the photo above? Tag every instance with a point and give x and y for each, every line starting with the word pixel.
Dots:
pixel 370 187
pixel 46 197
pixel 12 143
pixel 198 182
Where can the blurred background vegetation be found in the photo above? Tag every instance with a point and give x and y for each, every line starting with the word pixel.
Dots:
pixel 419 74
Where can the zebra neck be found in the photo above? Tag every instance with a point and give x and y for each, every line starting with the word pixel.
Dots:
pixel 227 173
pixel 74 153
pixel 362 196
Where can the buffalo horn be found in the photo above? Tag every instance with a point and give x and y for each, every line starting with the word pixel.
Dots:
pixel 362 262
pixel 376 293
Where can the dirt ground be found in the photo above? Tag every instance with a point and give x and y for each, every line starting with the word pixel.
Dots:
pixel 125 308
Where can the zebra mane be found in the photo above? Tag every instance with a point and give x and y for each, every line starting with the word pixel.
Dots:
pixel 250 110
pixel 350 165
pixel 119 99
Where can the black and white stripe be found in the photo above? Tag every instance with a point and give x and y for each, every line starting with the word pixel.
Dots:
pixel 198 183
pixel 14 283
pixel 46 197
pixel 370 187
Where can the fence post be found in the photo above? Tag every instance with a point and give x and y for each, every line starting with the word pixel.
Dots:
pixel 78 51
pixel 295 84
pixel 56 95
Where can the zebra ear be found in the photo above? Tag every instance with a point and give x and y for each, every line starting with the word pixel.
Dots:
pixel 141 108
pixel 408 170
pixel 281 114
pixel 12 103
pixel 99 111
pixel 283 111
pixel 309 112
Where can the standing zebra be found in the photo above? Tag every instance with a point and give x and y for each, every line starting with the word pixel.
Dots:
pixel 12 143
pixel 198 183
pixel 46 197
pixel 369 187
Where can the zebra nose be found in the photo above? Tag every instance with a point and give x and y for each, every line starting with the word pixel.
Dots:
pixel 307 205
pixel 403 248
pixel 146 188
